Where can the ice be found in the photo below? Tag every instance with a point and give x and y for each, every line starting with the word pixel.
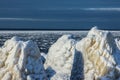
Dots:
pixel 20 60
pixel 99 51
pixel 61 55
pixel 84 55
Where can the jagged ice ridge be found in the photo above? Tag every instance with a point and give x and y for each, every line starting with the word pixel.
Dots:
pixel 95 57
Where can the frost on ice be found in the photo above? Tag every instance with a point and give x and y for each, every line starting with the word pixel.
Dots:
pixel 20 61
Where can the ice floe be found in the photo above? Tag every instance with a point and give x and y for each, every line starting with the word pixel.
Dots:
pixel 94 57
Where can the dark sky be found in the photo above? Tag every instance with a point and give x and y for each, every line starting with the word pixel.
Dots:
pixel 22 14
pixel 58 3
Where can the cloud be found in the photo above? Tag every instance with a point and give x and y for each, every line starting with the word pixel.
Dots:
pixel 29 19
pixel 102 9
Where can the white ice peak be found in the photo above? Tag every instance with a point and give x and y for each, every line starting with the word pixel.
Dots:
pixel 20 61
pixel 98 53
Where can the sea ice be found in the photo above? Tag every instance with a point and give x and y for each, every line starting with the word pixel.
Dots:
pixel 98 49
pixel 95 57
pixel 60 56
pixel 21 61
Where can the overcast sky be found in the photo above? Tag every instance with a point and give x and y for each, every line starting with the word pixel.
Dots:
pixel 27 13
pixel 58 3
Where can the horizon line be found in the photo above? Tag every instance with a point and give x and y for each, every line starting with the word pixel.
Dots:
pixel 8 29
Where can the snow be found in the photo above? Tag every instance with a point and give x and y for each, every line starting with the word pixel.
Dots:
pixel 99 50
pixel 21 61
pixel 96 56
pixel 61 55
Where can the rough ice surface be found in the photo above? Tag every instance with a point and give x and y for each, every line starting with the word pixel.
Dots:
pixel 95 57
pixel 99 57
pixel 99 51
pixel 60 57
pixel 21 61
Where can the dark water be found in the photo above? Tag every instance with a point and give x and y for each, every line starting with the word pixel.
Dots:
pixel 46 39
pixel 58 19
pixel 43 40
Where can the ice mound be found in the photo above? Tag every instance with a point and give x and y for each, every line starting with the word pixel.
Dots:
pixel 98 59
pixel 21 61
pixel 98 49
pixel 60 57
pixel 95 57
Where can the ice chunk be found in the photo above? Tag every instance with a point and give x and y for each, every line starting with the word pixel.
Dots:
pixel 61 55
pixel 22 60
pixel 98 49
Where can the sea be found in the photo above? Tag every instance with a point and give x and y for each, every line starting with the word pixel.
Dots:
pixel 45 39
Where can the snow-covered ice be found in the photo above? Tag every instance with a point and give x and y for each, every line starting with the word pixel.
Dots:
pixel 21 61
pixel 98 48
pixel 60 56
pixel 94 57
